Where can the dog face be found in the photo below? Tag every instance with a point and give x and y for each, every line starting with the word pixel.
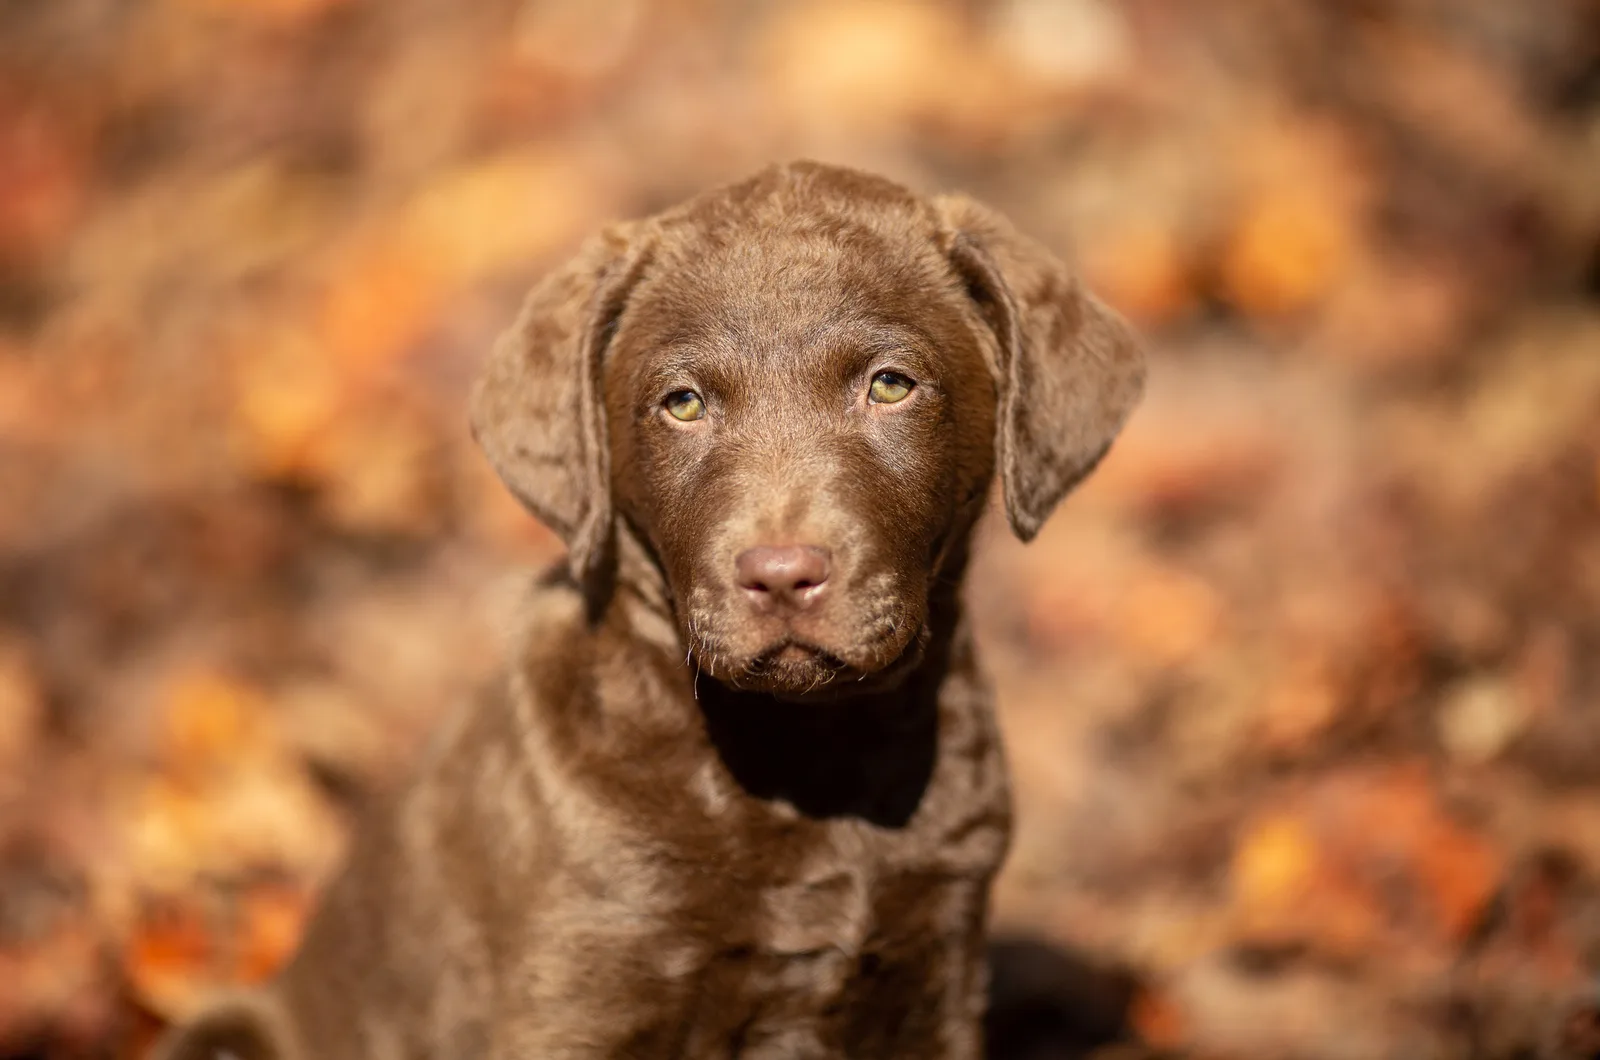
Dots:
pixel 799 421
pixel 796 392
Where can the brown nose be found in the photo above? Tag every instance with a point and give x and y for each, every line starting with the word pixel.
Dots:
pixel 790 576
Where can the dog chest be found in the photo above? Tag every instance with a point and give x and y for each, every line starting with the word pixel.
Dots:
pixel 835 962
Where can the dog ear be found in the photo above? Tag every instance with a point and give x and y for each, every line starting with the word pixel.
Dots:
pixel 537 410
pixel 1068 369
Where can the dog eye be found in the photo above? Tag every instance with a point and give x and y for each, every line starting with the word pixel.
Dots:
pixel 685 405
pixel 889 387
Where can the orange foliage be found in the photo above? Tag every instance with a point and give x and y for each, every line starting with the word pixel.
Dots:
pixel 1287 251
pixel 1158 1019
pixel 41 177
pixel 252 251
pixel 1325 868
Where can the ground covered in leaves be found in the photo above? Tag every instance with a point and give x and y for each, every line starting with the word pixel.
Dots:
pixel 1302 691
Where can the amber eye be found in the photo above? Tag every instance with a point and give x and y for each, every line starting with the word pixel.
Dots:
pixel 685 405
pixel 889 387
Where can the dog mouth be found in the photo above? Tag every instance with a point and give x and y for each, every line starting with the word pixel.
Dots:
pixel 795 668
pixel 790 666
pixel 792 652
pixel 869 646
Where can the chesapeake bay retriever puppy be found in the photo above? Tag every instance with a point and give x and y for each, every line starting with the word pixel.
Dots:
pixel 740 793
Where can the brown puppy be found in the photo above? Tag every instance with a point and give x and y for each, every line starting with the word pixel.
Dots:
pixel 741 793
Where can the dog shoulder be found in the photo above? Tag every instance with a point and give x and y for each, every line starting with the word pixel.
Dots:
pixel 536 614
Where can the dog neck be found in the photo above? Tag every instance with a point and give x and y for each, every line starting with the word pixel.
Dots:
pixel 869 756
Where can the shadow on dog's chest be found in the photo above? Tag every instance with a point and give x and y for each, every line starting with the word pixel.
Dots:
pixel 844 761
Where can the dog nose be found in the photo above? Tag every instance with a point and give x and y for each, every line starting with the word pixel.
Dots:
pixel 790 576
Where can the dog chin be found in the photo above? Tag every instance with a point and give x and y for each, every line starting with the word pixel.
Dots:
pixel 792 669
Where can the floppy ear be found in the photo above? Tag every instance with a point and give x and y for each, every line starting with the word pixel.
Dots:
pixel 537 410
pixel 1068 369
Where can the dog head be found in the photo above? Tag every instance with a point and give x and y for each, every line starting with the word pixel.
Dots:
pixel 796 392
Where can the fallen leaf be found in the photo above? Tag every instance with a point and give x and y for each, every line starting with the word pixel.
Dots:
pixel 22 710
pixel 212 723
pixel 1300 703
pixel 226 797
pixel 1066 44
pixel 271 918
pixel 171 958
pixel 873 63
pixel 580 41
pixel 1477 720
pixel 42 172
pixel 287 390
pixel 52 957
pixel 1360 863
pixel 1158 1018
pixel 1143 270
pixel 1299 226
pixel 1168 615
pixel 376 466
pixel 379 302
pixel 1285 253
pixel 492 215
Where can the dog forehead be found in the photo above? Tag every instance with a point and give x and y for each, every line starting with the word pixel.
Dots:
pixel 803 192
pixel 790 288
pixel 725 332
pixel 826 262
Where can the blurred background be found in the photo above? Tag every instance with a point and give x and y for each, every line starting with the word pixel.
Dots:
pixel 1302 690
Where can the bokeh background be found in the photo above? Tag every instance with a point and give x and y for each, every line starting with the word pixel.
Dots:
pixel 1302 690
